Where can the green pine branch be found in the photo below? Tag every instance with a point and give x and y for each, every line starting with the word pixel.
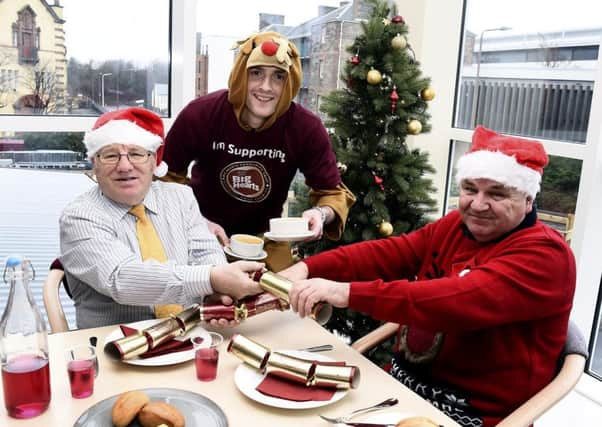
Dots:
pixel 368 132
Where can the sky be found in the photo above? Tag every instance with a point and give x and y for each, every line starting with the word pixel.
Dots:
pixel 134 31
pixel 127 28
pixel 101 33
pixel 533 15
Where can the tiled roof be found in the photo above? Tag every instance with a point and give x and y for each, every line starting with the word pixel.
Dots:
pixel 343 13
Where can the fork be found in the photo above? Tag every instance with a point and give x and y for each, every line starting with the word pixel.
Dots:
pixel 345 418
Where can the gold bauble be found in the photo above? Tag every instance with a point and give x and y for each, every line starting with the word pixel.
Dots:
pixel 414 127
pixel 399 42
pixel 385 229
pixel 374 77
pixel 386 21
pixel 427 94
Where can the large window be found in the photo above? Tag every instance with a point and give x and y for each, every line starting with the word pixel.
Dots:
pixel 95 57
pixel 528 76
pixel 68 58
pixel 533 74
pixel 62 64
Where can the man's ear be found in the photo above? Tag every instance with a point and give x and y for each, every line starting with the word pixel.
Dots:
pixel 529 203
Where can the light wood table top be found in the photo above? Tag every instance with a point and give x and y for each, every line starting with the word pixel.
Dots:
pixel 276 330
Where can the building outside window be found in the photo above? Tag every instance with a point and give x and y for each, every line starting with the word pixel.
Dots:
pixel 60 40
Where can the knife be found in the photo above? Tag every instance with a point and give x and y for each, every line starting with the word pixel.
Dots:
pixel 369 424
pixel 373 424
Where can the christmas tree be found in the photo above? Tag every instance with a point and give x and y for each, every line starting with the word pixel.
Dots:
pixel 384 101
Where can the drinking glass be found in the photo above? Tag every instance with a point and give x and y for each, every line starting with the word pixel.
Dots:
pixel 81 367
pixel 206 358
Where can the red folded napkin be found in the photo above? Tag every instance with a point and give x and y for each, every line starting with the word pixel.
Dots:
pixel 282 388
pixel 171 346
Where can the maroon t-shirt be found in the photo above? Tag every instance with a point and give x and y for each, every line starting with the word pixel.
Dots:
pixel 241 178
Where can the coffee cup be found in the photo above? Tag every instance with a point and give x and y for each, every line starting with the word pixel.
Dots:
pixel 246 245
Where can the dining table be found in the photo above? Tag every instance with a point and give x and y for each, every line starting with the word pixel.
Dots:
pixel 273 329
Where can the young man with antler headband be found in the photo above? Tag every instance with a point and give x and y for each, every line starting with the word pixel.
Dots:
pixel 247 144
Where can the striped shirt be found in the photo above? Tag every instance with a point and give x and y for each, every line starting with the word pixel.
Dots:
pixel 106 275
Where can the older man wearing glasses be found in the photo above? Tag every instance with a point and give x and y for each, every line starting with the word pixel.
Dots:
pixel 131 245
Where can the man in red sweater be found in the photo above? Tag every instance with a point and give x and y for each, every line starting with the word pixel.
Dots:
pixel 483 295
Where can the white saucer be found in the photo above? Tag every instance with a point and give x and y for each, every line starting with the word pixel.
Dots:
pixel 287 237
pixel 261 256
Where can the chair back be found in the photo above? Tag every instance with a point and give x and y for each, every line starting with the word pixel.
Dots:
pixel 52 301
pixel 571 363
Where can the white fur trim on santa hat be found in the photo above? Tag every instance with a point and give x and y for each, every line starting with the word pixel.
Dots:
pixel 161 170
pixel 499 167
pixel 120 132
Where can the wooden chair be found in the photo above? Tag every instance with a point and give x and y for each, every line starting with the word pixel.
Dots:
pixel 571 366
pixel 564 224
pixel 52 301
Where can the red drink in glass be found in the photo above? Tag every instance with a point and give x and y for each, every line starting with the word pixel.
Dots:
pixel 26 382
pixel 205 360
pixel 81 377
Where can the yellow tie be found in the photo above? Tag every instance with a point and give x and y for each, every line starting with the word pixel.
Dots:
pixel 151 248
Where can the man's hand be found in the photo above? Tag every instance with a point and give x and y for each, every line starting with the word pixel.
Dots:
pixel 219 232
pixel 295 272
pixel 316 226
pixel 225 300
pixel 234 279
pixel 306 293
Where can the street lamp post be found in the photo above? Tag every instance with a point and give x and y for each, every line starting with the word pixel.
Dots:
pixel 475 98
pixel 102 87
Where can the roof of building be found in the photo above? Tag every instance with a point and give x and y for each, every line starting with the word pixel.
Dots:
pixel 52 12
pixel 343 13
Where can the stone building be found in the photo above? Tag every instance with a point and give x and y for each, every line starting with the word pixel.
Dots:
pixel 33 57
pixel 322 43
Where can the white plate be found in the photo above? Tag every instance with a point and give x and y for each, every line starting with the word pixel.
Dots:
pixel 164 359
pixel 287 237
pixel 197 409
pixel 261 256
pixel 247 379
pixel 386 417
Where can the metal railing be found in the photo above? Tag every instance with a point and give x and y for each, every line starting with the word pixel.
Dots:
pixel 542 109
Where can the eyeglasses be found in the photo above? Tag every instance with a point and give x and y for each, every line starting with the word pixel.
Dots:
pixel 135 157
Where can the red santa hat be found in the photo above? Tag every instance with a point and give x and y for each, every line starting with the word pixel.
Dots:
pixel 513 161
pixel 135 126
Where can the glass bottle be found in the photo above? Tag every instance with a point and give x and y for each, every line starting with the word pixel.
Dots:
pixel 23 345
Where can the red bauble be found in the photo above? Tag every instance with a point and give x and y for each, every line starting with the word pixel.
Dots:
pixel 355 60
pixel 394 97
pixel 269 48
pixel 379 181
pixel 397 19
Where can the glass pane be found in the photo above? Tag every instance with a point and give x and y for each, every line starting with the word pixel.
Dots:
pixel 555 202
pixel 82 58
pixel 36 185
pixel 321 30
pixel 529 73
